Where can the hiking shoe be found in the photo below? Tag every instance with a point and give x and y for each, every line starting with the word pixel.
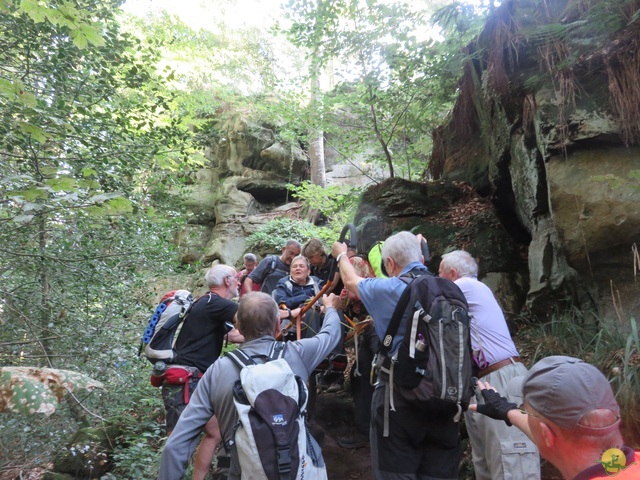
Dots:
pixel 354 441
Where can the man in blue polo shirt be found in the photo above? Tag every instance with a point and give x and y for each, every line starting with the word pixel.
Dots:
pixel 420 445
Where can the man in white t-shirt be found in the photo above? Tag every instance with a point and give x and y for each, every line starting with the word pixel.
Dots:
pixel 499 452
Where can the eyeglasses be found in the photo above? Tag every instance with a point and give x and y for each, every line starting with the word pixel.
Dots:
pixel 521 409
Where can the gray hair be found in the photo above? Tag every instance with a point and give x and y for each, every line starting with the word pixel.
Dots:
pixel 462 262
pixel 257 315
pixel 292 242
pixel 298 257
pixel 215 275
pixel 250 257
pixel 403 247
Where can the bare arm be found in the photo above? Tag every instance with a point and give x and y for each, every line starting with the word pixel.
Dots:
pixel 248 285
pixel 234 336
pixel 520 420
pixel 349 276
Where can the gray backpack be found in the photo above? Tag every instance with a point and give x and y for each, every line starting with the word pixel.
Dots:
pixel 271 437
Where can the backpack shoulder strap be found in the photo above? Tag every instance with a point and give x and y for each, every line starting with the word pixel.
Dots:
pixel 289 285
pixel 240 358
pixel 398 313
pixel 276 351
pixel 394 323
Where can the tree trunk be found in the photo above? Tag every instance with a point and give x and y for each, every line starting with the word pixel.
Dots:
pixel 316 135
pixel 376 129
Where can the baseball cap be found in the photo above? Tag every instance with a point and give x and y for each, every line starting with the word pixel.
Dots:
pixel 565 389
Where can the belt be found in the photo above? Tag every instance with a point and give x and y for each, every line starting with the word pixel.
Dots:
pixel 497 366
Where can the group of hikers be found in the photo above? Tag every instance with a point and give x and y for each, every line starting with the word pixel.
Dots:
pixel 562 409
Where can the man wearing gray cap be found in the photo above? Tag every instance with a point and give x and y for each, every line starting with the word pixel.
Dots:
pixel 571 414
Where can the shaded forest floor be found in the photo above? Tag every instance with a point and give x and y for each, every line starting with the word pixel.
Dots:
pixel 333 418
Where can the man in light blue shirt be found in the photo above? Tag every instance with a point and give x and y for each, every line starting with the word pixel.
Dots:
pixel 420 445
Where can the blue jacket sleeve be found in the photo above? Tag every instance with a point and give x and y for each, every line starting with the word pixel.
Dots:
pixel 280 294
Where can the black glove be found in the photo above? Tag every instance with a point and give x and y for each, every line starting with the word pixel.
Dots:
pixel 495 406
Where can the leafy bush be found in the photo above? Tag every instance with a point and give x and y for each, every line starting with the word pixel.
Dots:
pixel 337 203
pixel 137 454
pixel 274 234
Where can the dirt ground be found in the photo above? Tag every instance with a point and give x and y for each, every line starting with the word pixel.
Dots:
pixel 333 417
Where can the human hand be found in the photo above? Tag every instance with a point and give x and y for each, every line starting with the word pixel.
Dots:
pixel 332 300
pixel 495 406
pixel 337 248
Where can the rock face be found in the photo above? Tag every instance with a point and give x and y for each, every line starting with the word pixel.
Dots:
pixel 246 177
pixel 545 131
pixel 450 216
pixel 546 127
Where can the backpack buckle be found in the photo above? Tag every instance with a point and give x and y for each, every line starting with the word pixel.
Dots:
pixel 284 460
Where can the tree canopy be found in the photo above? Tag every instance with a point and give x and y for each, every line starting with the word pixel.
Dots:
pixel 105 115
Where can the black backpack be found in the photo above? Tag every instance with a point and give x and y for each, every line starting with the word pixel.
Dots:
pixel 268 284
pixel 433 367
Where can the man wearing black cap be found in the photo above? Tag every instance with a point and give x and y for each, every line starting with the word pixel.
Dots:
pixel 571 414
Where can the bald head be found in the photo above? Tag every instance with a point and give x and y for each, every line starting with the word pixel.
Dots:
pixel 257 315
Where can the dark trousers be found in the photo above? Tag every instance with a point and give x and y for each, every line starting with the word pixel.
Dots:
pixel 361 388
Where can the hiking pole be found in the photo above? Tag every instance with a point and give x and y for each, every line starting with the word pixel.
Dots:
pixel 424 247
pixel 348 228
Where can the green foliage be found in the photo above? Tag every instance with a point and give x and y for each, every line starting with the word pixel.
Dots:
pixel 393 85
pixel 275 233
pixel 86 128
pixel 138 449
pixel 627 383
pixel 328 200
pixel 337 203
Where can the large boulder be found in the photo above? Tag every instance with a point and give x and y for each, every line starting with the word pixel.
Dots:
pixel 451 216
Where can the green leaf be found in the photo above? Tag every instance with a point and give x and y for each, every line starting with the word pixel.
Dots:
pixel 93 35
pixel 16 91
pixel 29 195
pixel 89 172
pixel 79 40
pixel 118 206
pixel 61 183
pixel 48 170
pixel 36 12
pixel 31 207
pixel 33 131
pixel 89 184
pixel 23 218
